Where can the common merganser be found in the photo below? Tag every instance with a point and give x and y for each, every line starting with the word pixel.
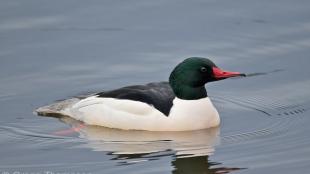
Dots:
pixel 181 104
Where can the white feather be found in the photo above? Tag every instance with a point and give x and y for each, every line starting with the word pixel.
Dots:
pixel 135 115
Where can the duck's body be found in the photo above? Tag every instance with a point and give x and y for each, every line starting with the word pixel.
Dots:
pixel 180 105
pixel 140 114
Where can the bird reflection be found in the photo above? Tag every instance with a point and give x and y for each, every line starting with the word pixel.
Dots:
pixel 199 165
pixel 190 150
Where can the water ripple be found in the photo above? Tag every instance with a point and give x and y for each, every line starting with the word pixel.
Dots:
pixel 281 117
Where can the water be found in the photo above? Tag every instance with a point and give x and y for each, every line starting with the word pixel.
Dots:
pixel 52 50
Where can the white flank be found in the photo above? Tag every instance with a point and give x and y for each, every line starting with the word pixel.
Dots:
pixel 134 115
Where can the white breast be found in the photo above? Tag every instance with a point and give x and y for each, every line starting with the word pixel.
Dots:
pixel 135 115
pixel 193 114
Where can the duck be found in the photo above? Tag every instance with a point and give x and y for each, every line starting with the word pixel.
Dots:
pixel 181 104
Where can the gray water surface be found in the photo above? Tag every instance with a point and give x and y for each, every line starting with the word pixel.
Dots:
pixel 53 50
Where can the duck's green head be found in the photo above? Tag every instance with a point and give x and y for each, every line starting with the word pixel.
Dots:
pixel 189 77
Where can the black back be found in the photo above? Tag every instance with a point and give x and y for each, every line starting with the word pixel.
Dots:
pixel 160 95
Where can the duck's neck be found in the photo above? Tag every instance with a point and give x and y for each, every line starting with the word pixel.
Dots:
pixel 187 92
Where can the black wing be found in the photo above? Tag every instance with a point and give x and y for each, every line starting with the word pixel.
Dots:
pixel 159 95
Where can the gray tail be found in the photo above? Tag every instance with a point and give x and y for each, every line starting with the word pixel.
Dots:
pixel 58 109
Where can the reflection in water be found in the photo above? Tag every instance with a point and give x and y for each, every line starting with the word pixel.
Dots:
pixel 199 165
pixel 190 149
pixel 187 143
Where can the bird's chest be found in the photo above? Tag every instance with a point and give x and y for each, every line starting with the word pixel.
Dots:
pixel 194 113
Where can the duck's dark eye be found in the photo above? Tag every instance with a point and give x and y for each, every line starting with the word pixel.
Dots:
pixel 203 69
